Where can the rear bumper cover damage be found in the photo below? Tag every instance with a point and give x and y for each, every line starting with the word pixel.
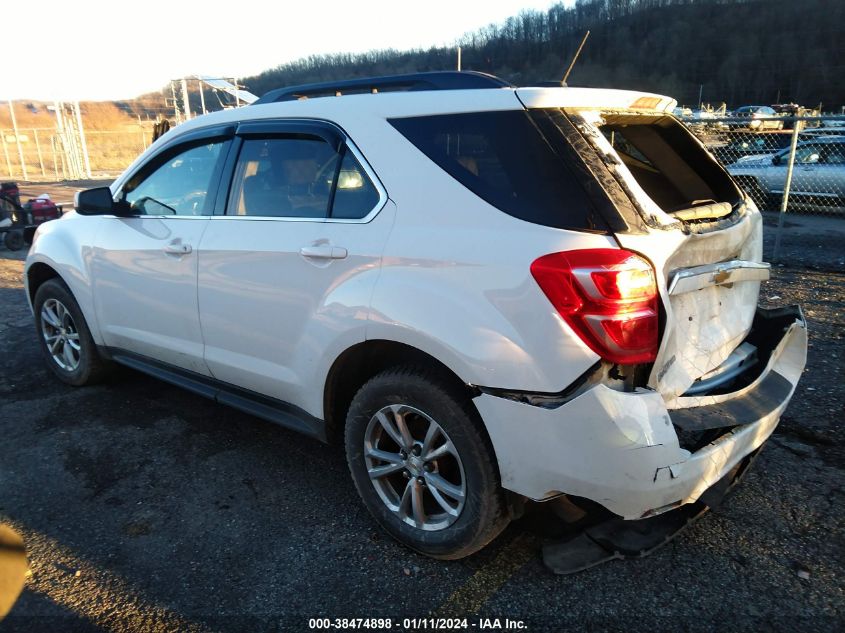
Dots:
pixel 621 449
pixel 616 538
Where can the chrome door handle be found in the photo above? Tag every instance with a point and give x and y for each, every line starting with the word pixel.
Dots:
pixel 177 248
pixel 323 251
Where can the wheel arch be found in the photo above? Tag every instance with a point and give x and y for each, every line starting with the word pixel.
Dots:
pixel 36 275
pixel 360 362
pixel 41 269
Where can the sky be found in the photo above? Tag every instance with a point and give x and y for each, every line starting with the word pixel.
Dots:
pixel 104 50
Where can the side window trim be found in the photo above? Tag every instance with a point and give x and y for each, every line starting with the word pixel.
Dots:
pixel 341 154
pixel 227 174
pixel 176 146
pixel 273 127
pixel 325 130
pixel 374 179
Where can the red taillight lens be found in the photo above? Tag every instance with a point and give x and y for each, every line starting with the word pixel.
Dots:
pixel 608 296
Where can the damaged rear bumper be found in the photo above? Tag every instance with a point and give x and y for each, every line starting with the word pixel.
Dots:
pixel 622 449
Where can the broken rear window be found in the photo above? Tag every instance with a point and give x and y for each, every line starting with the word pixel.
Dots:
pixel 670 165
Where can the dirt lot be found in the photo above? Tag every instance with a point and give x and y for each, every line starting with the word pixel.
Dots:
pixel 144 507
pixel 60 192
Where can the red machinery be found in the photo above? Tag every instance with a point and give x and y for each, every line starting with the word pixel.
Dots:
pixel 18 222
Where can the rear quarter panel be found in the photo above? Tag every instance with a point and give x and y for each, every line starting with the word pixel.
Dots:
pixel 455 280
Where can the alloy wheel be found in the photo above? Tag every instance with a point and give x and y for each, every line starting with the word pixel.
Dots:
pixel 414 467
pixel 60 335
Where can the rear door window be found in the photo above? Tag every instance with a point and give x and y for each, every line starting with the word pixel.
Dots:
pixel 505 160
pixel 300 176
pixel 283 177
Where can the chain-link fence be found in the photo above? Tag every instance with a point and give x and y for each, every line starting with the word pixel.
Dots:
pixel 45 153
pixel 793 168
pixel 761 160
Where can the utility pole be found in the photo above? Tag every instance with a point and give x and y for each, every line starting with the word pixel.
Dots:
pixel 17 139
pixel 459 59
pixel 185 102
pixel 82 139
pixel 237 88
pixel 700 94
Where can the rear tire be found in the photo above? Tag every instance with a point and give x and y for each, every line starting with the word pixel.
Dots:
pixel 461 505
pixel 64 337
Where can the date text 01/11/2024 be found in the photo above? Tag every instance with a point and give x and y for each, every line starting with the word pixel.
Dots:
pixel 417 624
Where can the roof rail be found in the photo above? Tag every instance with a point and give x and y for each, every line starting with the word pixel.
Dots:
pixel 439 80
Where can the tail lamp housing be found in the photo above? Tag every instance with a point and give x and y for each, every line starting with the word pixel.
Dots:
pixel 608 296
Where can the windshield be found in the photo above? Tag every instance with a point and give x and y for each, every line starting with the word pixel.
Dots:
pixel 805 153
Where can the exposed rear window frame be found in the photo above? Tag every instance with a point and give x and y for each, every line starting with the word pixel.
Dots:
pixel 662 219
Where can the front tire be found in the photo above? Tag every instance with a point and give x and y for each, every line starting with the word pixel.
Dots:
pixel 64 337
pixel 423 465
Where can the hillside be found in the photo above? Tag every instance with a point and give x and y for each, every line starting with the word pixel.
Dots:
pixel 96 115
pixel 737 51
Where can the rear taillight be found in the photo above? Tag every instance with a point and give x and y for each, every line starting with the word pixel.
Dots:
pixel 608 297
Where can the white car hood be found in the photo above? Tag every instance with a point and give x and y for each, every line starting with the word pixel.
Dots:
pixel 756 159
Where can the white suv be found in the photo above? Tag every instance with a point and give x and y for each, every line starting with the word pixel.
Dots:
pixel 490 293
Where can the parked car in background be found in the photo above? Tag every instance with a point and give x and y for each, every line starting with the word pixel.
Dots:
pixel 758 118
pixel 702 120
pixel 792 110
pixel 487 293
pixel 818 174
pixel 754 144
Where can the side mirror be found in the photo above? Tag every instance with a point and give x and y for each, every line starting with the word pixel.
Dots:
pixel 812 158
pixel 776 159
pixel 94 201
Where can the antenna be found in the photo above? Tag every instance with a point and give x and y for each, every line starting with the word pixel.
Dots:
pixel 574 59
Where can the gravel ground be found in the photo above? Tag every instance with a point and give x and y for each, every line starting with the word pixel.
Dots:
pixel 144 507
pixel 816 242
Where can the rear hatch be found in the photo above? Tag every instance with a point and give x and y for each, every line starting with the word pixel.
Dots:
pixel 683 213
